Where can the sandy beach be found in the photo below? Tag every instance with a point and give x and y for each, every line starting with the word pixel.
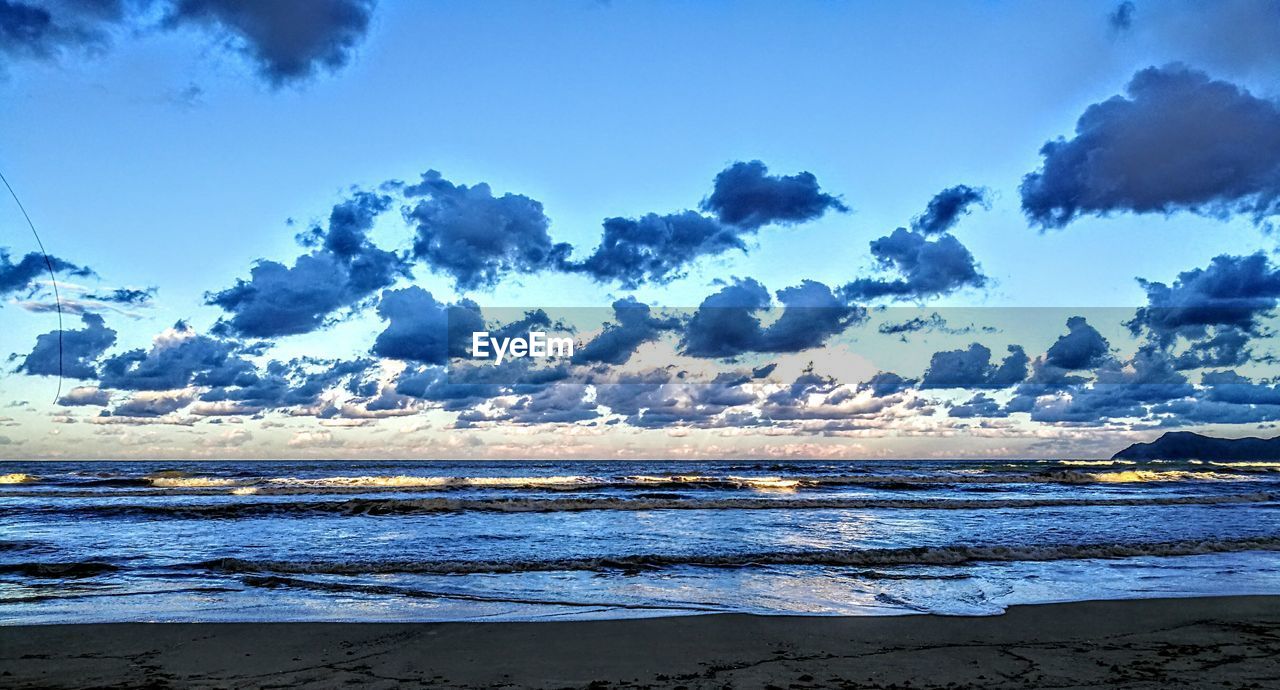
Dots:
pixel 1228 642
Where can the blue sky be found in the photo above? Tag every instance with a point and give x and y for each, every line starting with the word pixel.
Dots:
pixel 167 154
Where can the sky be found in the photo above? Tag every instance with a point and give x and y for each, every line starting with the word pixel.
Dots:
pixel 800 230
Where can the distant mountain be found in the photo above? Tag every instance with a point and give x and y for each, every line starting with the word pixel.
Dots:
pixel 1186 445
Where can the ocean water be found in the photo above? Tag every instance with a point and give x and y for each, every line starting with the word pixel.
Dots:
pixel 380 541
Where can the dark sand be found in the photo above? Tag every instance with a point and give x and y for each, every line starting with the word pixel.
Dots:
pixel 1225 642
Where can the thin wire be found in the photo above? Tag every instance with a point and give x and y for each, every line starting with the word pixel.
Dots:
pixel 48 263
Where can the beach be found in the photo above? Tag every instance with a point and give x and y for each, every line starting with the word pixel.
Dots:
pixel 1226 642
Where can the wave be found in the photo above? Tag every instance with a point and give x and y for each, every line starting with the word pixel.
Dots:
pixel 74 569
pixel 423 506
pixel 275 581
pixel 866 558
pixel 177 483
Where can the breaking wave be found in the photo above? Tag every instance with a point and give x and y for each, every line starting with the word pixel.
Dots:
pixel 865 558
pixel 420 506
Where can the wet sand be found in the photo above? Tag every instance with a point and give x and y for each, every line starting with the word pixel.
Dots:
pixel 1224 642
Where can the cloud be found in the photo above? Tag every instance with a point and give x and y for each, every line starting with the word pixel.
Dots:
pixel 726 324
pixel 746 195
pixel 126 296
pixel 43 30
pixel 298 383
pixel 77 349
pixel 928 267
pixel 23 276
pixel 475 237
pixel 1121 18
pixel 633 326
pixel 345 269
pixel 947 208
pixel 1179 141
pixel 150 404
pixel 423 330
pixel 1083 347
pixel 656 248
pixel 1120 390
pixel 178 357
pixel 972 368
pixel 1231 291
pixel 288 40
pixel 85 395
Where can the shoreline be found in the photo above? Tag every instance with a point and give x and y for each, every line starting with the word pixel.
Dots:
pixel 1227 642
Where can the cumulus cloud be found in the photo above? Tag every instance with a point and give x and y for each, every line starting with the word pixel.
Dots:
pixel 85 395
pixel 972 368
pixel 1232 291
pixel 1179 141
pixel 947 207
pixel 345 269
pixel 46 29
pixel 658 248
pixel 633 326
pixel 23 275
pixel 727 323
pixel 76 350
pixel 1121 18
pixel 746 195
pixel 288 40
pixel 178 357
pixel 421 329
pixel 475 237
pixel 927 267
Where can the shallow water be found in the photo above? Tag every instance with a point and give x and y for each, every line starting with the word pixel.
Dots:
pixel 111 541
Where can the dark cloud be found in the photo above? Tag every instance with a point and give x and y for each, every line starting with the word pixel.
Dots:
pixel 179 357
pixel 654 400
pixel 747 196
pixel 972 368
pixel 657 248
pixel 127 296
pixel 947 208
pixel 342 272
pixel 296 383
pixel 79 350
pixel 1121 18
pixel 149 406
pixel 22 276
pixel 1083 347
pixel 633 326
pixel 1179 141
pixel 886 383
pixel 928 267
pixel 421 329
pixel 1120 390
pixel 475 237
pixel 45 29
pixel 727 323
pixel 1232 291
pixel 288 40
pixel 1227 347
pixel 980 405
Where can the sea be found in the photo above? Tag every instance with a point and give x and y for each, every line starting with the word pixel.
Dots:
pixel 99 541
